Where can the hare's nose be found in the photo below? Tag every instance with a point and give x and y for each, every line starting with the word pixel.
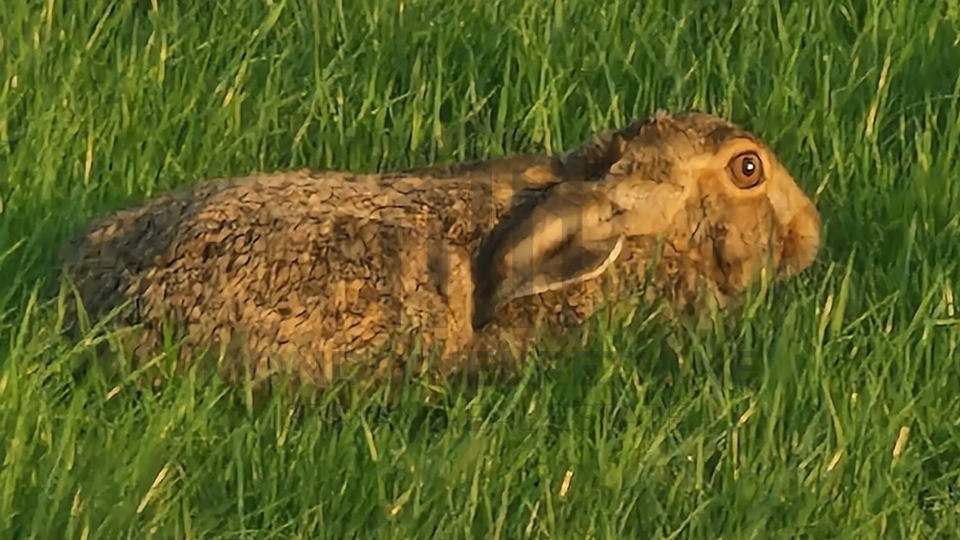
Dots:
pixel 801 243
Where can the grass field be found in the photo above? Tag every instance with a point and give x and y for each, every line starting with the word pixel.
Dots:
pixel 832 410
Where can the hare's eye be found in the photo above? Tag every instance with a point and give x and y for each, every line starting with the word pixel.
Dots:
pixel 747 170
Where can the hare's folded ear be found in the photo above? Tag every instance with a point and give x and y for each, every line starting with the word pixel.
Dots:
pixel 595 156
pixel 572 262
pixel 592 159
pixel 569 238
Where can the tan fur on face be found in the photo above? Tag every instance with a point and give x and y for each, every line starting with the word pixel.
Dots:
pixel 796 218
pixel 699 158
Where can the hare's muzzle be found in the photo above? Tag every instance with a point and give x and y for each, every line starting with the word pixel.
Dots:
pixel 801 241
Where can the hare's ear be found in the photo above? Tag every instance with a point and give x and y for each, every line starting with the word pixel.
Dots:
pixel 569 238
pixel 593 158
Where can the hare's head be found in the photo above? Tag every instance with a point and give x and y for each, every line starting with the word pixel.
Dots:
pixel 698 182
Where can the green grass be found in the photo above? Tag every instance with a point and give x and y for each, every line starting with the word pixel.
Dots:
pixel 780 425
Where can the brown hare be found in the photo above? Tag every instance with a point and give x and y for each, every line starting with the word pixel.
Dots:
pixel 314 273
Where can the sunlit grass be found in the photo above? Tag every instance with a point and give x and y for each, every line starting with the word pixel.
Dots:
pixel 831 411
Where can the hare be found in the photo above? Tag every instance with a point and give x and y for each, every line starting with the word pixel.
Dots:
pixel 316 272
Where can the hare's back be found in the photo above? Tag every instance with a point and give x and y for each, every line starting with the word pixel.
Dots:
pixel 295 266
pixel 327 289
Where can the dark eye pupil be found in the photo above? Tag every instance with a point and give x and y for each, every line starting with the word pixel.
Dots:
pixel 748 167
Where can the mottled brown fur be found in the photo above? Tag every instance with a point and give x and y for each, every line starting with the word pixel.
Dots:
pixel 314 272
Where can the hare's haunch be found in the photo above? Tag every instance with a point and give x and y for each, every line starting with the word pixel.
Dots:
pixel 319 271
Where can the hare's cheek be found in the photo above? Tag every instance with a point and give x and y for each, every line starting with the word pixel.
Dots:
pixel 747 244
